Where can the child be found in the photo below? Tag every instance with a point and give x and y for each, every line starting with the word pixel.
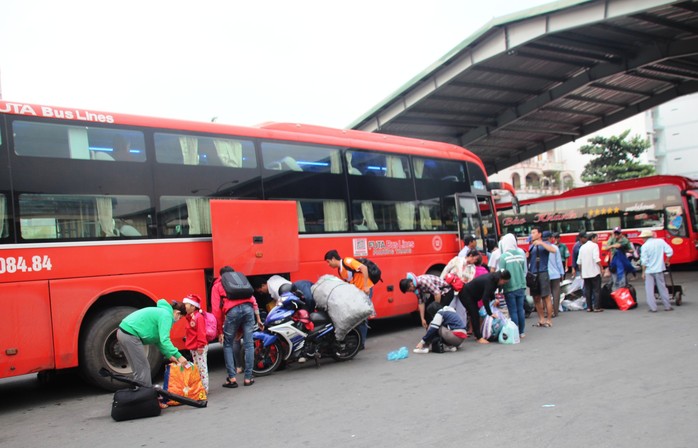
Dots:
pixel 196 341
pixel 479 268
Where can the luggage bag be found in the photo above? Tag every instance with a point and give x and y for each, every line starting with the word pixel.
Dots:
pixel 136 402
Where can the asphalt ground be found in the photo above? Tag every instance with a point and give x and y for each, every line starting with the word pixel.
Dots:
pixel 611 379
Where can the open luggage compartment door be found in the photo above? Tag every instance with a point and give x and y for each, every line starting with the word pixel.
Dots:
pixel 255 237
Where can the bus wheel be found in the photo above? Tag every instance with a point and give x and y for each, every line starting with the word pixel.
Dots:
pixel 99 348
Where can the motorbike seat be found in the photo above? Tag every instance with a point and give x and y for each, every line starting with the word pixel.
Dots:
pixel 319 318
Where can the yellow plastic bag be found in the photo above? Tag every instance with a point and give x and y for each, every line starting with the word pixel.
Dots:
pixel 184 381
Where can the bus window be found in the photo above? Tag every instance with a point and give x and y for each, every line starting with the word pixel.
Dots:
pixel 477 178
pixel 488 226
pixel 693 208
pixel 196 150
pixel 61 217
pixel 675 221
pixel 184 216
pixel 645 218
pixel 470 223
pixel 322 216
pixel 604 200
pixel 3 217
pixel 378 164
pixel 445 170
pixel 294 157
pixel 78 142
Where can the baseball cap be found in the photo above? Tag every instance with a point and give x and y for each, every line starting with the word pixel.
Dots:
pixel 617 230
pixel 546 234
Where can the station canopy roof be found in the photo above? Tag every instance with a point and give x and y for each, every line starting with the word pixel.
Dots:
pixel 530 82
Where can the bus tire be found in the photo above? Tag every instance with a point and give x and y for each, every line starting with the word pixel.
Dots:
pixel 99 348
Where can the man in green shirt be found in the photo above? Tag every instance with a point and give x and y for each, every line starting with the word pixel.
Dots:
pixel 618 244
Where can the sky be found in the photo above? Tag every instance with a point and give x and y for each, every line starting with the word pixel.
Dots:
pixel 242 62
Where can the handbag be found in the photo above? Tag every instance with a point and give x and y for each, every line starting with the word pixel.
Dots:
pixel 532 279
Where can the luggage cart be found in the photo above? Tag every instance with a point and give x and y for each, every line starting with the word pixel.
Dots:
pixel 675 291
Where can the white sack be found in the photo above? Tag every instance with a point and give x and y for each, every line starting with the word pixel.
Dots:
pixel 347 305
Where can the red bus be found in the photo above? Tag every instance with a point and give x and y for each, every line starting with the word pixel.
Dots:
pixel 104 213
pixel 667 205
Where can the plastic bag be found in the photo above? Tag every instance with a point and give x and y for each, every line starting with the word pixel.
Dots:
pixel 509 333
pixel 623 298
pixel 574 305
pixel 184 381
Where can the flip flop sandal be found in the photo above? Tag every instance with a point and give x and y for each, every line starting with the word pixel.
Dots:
pixel 249 382
pixel 230 384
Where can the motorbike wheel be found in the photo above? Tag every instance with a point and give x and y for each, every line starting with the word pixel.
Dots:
pixel 352 342
pixel 266 359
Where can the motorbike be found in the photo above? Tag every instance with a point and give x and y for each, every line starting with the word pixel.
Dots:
pixel 291 334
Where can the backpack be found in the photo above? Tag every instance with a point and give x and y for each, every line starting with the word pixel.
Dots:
pixel 374 272
pixel 236 286
pixel 211 326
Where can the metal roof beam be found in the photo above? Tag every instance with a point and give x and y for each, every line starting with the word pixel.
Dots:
pixel 567 110
pixel 675 73
pixel 450 122
pixel 649 55
pixel 479 85
pixel 645 37
pixel 661 98
pixel 666 22
pixel 538 130
pixel 586 99
pixel 573 54
pixel 584 62
pixel 503 71
pixel 464 99
pixel 604 86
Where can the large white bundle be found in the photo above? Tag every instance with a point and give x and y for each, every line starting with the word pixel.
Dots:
pixel 346 304
pixel 274 282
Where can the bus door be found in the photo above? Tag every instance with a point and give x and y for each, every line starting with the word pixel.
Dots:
pixel 255 237
pixel 469 219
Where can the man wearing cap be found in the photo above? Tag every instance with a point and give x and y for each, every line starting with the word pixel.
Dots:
pixel 589 261
pixel 556 271
pixel 618 244
pixel 564 251
pixel 426 287
pixel 539 253
pixel 652 261
pixel 581 239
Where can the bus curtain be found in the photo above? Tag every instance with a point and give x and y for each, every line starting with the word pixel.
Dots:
pixel 199 218
pixel 404 210
pixel 229 152
pixel 3 214
pixel 105 215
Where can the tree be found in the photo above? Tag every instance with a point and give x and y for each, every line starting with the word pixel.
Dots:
pixel 615 158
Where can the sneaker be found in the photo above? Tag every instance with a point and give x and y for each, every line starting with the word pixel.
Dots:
pixel 421 350
pixel 522 335
pixel 669 309
pixel 448 348
pixel 651 311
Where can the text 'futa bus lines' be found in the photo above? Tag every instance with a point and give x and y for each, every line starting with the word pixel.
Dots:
pixel 53 112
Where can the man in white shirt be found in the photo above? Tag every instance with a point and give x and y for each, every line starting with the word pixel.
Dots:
pixel 589 261
pixel 652 260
